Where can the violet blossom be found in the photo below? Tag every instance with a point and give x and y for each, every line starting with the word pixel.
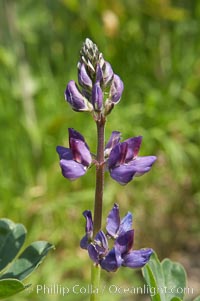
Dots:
pixel 74 161
pixel 124 163
pixel 122 253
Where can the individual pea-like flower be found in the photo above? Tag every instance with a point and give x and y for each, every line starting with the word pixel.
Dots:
pixel 122 253
pixel 124 163
pixel 74 161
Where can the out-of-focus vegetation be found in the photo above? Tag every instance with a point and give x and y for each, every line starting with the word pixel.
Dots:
pixel 154 46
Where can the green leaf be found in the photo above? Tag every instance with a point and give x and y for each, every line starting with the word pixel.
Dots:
pixel 175 278
pixel 12 237
pixel 153 274
pixel 28 261
pixel 9 287
pixel 154 292
pixel 197 298
pixel 167 278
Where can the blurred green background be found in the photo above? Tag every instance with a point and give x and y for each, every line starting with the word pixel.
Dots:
pixel 154 46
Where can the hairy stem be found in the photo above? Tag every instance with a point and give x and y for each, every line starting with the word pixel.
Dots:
pixel 99 174
pixel 96 269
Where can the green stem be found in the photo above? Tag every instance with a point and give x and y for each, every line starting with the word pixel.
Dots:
pixel 95 280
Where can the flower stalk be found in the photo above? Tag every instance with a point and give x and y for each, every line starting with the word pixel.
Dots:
pixel 98 203
pixel 100 123
pixel 95 282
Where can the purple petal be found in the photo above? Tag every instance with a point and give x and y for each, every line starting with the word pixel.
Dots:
pixel 113 221
pixel 116 89
pixel 124 242
pixel 83 77
pixel 76 99
pixel 84 242
pixel 88 230
pixel 112 261
pixel 137 258
pixel 76 135
pixel 64 153
pixel 123 153
pixel 142 164
pixel 118 155
pixel 71 169
pixel 99 74
pixel 126 223
pixel 101 241
pixel 92 251
pixel 107 74
pixel 137 167
pixel 123 174
pixel 80 152
pixel 89 223
pixel 133 147
pixel 97 97
pixel 112 142
pixel 114 157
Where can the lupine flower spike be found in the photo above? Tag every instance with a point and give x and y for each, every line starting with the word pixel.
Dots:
pixel 98 91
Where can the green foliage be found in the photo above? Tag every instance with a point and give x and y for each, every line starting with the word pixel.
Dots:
pixel 10 287
pixel 12 269
pixel 166 279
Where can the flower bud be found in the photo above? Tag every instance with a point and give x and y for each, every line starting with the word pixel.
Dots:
pixel 107 74
pixel 97 97
pixel 99 73
pixel 90 56
pixel 77 101
pixel 83 77
pixel 116 89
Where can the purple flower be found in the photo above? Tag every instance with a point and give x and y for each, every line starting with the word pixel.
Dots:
pixel 115 227
pixel 77 101
pixel 122 253
pixel 124 163
pixel 74 161
pixel 131 258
